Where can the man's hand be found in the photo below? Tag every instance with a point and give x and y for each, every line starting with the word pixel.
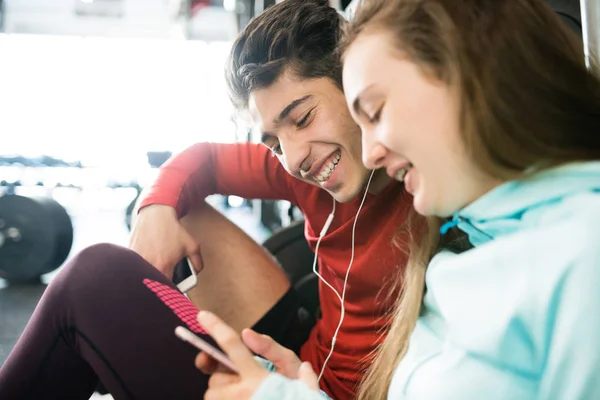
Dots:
pixel 160 239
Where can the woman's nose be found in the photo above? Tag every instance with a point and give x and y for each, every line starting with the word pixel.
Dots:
pixel 373 155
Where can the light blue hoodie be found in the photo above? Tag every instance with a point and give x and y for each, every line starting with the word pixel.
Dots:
pixel 516 317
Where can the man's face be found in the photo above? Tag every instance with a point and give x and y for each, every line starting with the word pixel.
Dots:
pixel 307 125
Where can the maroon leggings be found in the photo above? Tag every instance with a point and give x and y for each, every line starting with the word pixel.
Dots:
pixel 108 315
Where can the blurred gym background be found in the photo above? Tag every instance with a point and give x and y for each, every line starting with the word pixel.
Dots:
pixel 94 96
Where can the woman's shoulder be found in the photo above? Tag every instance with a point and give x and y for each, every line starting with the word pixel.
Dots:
pixel 571 225
pixel 552 241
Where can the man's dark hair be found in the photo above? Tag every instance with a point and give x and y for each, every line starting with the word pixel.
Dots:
pixel 301 35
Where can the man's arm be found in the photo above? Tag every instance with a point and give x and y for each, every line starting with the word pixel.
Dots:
pixel 244 169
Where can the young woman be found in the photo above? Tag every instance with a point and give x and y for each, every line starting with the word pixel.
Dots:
pixel 486 111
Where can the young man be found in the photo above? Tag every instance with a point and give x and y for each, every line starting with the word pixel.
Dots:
pixel 284 71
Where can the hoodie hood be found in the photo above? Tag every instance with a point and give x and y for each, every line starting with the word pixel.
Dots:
pixel 515 204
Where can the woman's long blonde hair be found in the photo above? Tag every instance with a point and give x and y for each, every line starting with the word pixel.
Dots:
pixel 527 103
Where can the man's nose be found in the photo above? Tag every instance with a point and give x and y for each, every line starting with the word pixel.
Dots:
pixel 296 156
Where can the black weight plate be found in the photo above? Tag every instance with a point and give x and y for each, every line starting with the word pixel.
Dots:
pixel 308 290
pixel 26 259
pixel 63 231
pixel 293 253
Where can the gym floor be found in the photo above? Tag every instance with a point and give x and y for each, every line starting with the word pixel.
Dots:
pixel 97 217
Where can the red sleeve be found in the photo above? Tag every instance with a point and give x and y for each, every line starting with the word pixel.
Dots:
pixel 243 169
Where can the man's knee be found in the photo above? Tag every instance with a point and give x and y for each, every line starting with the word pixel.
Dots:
pixel 106 255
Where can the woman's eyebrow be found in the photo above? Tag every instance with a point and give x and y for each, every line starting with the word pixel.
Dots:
pixel 356 104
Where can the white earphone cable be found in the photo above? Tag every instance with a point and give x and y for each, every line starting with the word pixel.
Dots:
pixel 342 298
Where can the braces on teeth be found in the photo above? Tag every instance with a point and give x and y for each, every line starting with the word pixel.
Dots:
pixel 323 176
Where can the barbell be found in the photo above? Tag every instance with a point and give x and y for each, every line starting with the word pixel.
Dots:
pixel 36 235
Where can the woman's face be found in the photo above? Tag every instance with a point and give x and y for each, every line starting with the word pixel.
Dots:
pixel 410 126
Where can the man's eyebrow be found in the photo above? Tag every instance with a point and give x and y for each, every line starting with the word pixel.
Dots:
pixel 265 136
pixel 289 108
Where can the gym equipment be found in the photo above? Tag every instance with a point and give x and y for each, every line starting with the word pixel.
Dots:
pixel 41 161
pixel 269 215
pixel 276 214
pixel 158 158
pixel 130 207
pixel 36 235
pixel 590 11
pixel 291 250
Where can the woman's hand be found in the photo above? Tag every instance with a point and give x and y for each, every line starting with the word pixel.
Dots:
pixel 284 360
pixel 224 384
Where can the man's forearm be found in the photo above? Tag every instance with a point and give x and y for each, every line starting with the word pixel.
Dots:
pixel 244 169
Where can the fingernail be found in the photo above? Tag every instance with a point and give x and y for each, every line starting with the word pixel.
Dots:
pixel 195 267
pixel 198 268
pixel 205 316
pixel 307 367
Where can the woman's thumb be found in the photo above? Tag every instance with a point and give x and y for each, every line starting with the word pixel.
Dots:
pixel 308 376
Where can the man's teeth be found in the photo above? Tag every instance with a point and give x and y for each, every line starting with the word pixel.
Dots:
pixel 400 175
pixel 328 169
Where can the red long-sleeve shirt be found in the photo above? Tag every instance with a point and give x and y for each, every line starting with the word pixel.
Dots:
pixel 250 171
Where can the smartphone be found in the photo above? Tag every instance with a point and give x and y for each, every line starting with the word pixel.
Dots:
pixel 185 275
pixel 188 336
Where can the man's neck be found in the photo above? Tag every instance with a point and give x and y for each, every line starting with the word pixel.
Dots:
pixel 379 182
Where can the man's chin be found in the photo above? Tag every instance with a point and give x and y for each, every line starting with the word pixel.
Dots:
pixel 340 192
pixel 343 195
